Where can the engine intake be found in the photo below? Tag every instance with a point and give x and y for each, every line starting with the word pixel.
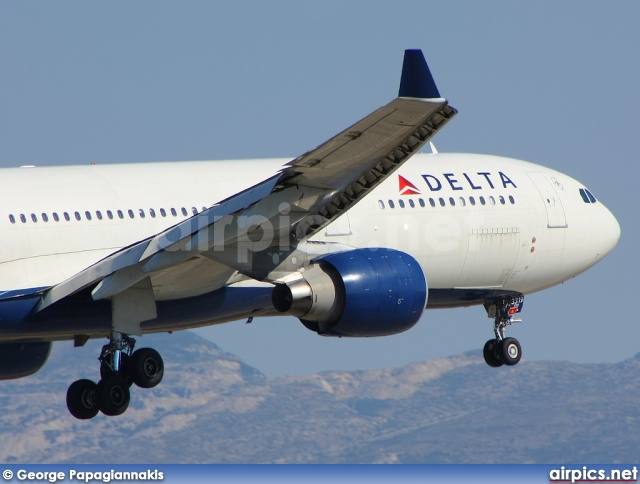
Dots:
pixel 359 293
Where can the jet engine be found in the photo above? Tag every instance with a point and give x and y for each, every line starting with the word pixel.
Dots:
pixel 22 359
pixel 358 293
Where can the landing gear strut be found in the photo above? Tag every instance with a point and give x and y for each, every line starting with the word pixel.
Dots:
pixel 120 367
pixel 500 350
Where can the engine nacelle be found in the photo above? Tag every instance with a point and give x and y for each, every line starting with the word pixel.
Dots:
pixel 18 360
pixel 361 292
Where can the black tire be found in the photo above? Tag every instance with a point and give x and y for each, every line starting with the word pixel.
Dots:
pixel 490 353
pixel 81 399
pixel 113 395
pixel 510 351
pixel 125 369
pixel 147 367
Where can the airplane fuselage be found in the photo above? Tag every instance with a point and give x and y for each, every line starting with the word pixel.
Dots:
pixel 477 224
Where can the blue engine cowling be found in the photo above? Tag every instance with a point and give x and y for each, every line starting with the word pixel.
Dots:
pixel 18 360
pixel 358 293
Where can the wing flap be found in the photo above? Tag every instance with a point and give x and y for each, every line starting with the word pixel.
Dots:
pixel 352 167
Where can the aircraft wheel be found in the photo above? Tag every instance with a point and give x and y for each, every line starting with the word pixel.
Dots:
pixel 113 395
pixel 510 351
pixel 81 399
pixel 125 369
pixel 490 353
pixel 147 367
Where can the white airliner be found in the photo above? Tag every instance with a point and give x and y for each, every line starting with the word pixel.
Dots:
pixel 355 238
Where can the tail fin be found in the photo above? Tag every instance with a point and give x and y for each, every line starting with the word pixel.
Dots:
pixel 417 81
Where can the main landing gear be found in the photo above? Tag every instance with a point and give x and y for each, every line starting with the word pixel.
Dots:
pixel 120 367
pixel 500 350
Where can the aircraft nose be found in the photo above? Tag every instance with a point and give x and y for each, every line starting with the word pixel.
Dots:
pixel 609 232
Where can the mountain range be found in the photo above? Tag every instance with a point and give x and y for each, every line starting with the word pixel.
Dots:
pixel 213 408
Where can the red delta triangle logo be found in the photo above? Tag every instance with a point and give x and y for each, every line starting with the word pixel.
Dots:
pixel 406 187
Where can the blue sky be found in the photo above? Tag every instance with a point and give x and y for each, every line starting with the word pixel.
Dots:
pixel 554 83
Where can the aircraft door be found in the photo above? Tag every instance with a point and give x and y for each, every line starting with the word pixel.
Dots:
pixel 552 203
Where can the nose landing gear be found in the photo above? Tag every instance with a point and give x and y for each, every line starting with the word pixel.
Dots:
pixel 500 350
pixel 120 367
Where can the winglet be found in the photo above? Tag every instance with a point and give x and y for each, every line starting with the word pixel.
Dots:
pixel 417 80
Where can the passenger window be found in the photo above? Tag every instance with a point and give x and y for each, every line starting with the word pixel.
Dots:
pixel 120 214
pixel 141 212
pixel 194 210
pixel 162 212
pixel 131 214
pixel 512 200
pixel 452 201
pixel 463 202
pixel 173 212
pixel 12 219
pixel 421 201
pixel 152 212
pixel 442 202
pixel 33 217
pixel 45 217
pixel 482 202
pixel 411 203
pixel 66 216
pixel 391 204
pixel 204 208
pixel 492 200
pixel 88 215
pixel 472 200
pixel 184 211
pixel 401 203
pixel 78 216
pixel 381 204
pixel 432 202
pixel 55 217
pixel 109 214
pixel 23 219
pixel 502 200
pixel 99 214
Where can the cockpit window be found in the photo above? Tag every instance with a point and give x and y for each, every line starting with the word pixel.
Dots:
pixel 583 194
pixel 587 196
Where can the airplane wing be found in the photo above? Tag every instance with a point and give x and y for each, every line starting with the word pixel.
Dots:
pixel 306 195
